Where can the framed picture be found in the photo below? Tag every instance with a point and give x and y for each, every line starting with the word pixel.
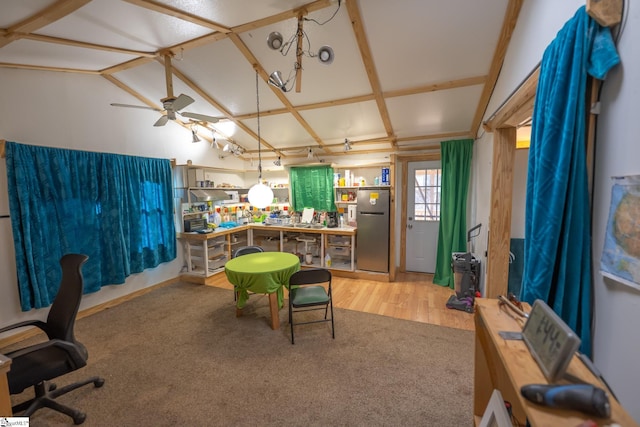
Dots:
pixel 496 414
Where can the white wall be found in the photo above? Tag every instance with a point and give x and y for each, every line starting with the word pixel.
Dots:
pixel 617 308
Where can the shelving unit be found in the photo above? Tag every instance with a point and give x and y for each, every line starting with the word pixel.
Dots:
pixel 346 195
pixel 341 250
pixel 204 258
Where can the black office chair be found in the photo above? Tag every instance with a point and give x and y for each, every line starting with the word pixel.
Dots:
pixel 307 293
pixel 244 250
pixel 36 364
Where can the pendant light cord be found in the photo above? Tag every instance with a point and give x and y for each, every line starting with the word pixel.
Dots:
pixel 259 144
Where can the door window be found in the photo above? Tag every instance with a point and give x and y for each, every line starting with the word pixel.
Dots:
pixel 427 185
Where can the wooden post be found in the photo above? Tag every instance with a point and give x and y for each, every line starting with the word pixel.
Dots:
pixel 2 152
pixel 504 152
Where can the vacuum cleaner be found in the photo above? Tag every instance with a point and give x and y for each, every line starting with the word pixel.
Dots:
pixel 466 275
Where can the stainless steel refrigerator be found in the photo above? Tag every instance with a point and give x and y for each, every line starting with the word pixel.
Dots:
pixel 372 236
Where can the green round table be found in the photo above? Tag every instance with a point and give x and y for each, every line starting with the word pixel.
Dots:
pixel 262 273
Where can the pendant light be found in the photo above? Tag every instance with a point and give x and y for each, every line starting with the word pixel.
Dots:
pixel 259 195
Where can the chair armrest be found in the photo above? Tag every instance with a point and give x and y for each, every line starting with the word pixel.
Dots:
pixel 37 323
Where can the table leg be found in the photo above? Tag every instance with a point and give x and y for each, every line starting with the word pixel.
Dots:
pixel 273 306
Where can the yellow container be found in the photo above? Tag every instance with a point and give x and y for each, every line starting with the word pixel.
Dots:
pixel 341 183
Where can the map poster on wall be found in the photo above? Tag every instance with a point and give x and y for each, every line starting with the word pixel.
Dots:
pixel 621 254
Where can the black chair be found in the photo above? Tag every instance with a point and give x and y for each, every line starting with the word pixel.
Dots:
pixel 34 365
pixel 244 250
pixel 307 293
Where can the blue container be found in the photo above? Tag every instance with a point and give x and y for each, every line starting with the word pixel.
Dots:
pixel 385 176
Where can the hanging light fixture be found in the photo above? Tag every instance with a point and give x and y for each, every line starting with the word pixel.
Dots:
pixel 275 41
pixel 260 195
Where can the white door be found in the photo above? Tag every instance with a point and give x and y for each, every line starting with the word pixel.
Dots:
pixel 423 215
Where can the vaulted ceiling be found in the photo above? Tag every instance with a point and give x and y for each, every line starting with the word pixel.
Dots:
pixel 406 74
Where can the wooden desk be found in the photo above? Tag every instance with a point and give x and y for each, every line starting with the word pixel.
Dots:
pixel 508 365
pixel 5 397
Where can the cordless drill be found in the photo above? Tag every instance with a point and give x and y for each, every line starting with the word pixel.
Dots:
pixel 580 397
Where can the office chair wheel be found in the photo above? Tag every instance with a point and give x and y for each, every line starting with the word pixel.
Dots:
pixel 98 383
pixel 52 386
pixel 79 417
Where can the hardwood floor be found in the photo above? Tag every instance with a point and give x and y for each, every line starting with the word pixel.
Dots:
pixel 413 296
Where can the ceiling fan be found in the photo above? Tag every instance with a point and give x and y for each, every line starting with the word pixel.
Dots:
pixel 172 104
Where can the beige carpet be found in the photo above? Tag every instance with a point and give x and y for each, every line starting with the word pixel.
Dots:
pixel 178 356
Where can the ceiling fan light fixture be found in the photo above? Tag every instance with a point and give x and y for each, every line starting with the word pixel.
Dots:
pixel 275 40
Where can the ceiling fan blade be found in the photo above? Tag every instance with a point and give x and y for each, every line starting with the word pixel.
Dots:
pixel 182 101
pixel 200 117
pixel 161 121
pixel 115 104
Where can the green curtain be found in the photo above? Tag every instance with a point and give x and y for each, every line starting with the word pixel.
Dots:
pixel 456 169
pixel 312 187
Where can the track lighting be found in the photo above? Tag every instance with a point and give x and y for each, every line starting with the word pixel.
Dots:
pixel 347 145
pixel 194 136
pixel 275 41
pixel 310 154
pixel 214 140
pixel 277 162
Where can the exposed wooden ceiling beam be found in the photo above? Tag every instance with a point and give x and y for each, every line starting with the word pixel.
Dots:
pixel 451 84
pixel 180 14
pixel 508 25
pixel 67 42
pixel 293 13
pixel 50 14
pixel 44 68
pixel 126 65
pixel 367 59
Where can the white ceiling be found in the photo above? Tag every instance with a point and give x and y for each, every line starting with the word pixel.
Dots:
pixel 406 74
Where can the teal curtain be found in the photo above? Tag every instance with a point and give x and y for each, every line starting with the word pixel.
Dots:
pixel 116 209
pixel 456 170
pixel 312 187
pixel 558 224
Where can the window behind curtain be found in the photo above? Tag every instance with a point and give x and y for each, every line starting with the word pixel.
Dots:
pixel 116 209
pixel 312 187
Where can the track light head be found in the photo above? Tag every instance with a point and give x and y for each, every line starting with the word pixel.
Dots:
pixel 275 79
pixel 274 41
pixel 194 136
pixel 325 55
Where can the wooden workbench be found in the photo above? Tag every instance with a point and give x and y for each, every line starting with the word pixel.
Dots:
pixel 507 365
